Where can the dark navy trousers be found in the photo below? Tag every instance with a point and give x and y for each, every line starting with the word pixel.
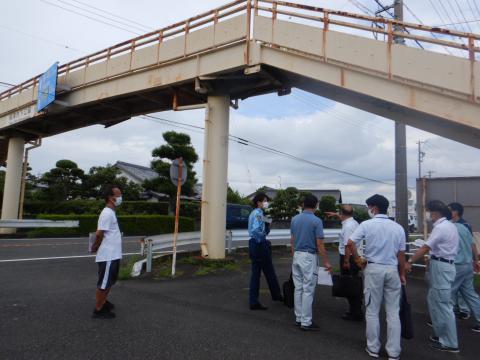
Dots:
pixel 261 257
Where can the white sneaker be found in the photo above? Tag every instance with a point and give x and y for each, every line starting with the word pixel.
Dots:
pixel 371 353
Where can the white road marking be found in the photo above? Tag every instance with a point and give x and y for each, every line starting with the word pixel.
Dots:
pixel 58 258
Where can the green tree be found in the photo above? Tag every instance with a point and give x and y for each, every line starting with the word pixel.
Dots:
pixel 64 181
pixel 327 203
pixel 286 203
pixel 100 176
pixel 360 215
pixel 130 190
pixel 177 145
pixel 234 197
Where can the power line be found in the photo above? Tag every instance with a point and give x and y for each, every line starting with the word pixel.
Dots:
pixel 268 149
pixel 440 16
pixel 461 22
pixel 361 7
pixel 326 110
pixel 117 16
pixel 343 117
pixel 103 16
pixel 421 22
pixel 385 9
pixel 464 18
pixel 90 17
pixel 2 83
pixel 64 46
pixel 477 7
pixel 448 15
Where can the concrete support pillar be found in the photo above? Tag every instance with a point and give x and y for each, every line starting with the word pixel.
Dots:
pixel 13 181
pixel 215 171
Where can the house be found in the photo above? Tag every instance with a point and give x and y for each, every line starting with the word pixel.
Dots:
pixel 272 193
pixel 136 173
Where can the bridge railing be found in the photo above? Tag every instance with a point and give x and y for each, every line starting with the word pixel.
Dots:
pixel 154 37
pixel 390 28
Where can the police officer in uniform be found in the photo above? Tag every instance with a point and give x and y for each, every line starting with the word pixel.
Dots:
pixel 260 251
pixel 443 247
pixel 384 271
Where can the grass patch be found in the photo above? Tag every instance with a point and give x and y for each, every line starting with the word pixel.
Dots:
pixel 125 271
pixel 476 281
pixel 202 271
pixel 166 272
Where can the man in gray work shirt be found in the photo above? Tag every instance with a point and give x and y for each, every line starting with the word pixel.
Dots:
pixel 306 241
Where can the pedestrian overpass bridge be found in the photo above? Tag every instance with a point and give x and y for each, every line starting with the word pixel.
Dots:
pixel 248 48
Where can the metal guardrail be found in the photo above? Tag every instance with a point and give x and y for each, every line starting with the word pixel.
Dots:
pixel 36 223
pixel 412 247
pixel 233 238
pixel 393 28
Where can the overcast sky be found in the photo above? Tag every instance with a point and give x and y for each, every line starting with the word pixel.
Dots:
pixel 34 34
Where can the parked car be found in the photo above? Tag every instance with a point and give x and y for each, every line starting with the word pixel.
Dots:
pixel 237 216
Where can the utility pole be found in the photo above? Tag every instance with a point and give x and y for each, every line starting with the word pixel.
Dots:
pixel 421 155
pixel 401 185
pixel 430 172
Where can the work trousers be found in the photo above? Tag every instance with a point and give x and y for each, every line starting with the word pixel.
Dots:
pixel 355 302
pixel 305 276
pixel 440 305
pixel 261 257
pixel 463 288
pixel 382 282
pixel 460 305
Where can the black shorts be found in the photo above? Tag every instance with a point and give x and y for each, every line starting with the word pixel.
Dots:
pixel 107 273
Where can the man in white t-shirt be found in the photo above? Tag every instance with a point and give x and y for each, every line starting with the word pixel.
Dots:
pixel 108 246
pixel 347 263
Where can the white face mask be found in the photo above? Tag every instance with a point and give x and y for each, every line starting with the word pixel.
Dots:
pixel 371 213
pixel 265 204
pixel 118 201
pixel 428 216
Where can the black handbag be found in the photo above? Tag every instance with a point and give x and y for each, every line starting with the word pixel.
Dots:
pixel 346 286
pixel 289 292
pixel 406 316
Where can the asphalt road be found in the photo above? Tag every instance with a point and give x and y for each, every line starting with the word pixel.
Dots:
pixel 19 249
pixel 46 307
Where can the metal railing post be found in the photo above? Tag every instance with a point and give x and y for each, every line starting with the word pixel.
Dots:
pixel 149 255
pixel 229 241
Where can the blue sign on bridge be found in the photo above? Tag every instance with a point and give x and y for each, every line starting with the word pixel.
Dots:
pixel 46 87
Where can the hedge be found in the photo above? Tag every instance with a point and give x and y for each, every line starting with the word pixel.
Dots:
pixel 144 225
pixel 94 207
pixel 191 209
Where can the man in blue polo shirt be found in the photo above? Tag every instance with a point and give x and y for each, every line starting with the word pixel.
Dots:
pixel 306 241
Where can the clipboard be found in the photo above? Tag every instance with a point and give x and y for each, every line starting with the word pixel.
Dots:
pixel 324 277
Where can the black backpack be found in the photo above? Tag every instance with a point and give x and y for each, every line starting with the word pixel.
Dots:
pixel 289 292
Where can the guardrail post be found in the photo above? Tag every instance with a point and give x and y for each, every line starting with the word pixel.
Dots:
pixel 149 255
pixel 229 241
